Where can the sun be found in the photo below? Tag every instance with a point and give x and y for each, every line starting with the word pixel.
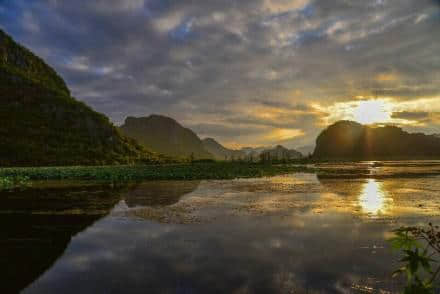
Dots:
pixel 372 111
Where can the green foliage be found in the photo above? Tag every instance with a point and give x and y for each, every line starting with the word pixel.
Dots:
pixel 18 61
pixel 206 170
pixel 42 125
pixel 418 246
pixel 7 183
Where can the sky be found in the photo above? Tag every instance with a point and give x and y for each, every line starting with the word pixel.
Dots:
pixel 245 72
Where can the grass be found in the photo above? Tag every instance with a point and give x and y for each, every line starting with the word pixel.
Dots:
pixel 199 171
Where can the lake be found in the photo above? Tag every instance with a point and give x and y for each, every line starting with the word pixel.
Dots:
pixel 323 232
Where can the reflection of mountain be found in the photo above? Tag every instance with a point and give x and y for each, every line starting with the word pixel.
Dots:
pixel 38 224
pixel 350 140
pixel 161 193
pixel 32 243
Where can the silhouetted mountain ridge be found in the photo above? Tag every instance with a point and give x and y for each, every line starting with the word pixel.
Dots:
pixel 351 140
pixel 280 153
pixel 41 124
pixel 165 135
pixel 305 150
pixel 220 152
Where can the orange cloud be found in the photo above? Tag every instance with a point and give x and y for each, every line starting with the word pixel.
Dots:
pixel 387 77
pixel 284 134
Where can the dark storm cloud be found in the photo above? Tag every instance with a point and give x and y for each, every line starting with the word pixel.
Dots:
pixel 228 67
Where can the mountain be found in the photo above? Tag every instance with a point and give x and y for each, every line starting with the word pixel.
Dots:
pixel 253 150
pixel 41 124
pixel 165 135
pixel 305 150
pixel 280 153
pixel 253 153
pixel 351 140
pixel 220 152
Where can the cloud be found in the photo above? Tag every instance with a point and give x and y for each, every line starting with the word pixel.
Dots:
pixel 227 67
pixel 168 22
pixel 279 6
pixel 411 115
pixel 284 134
pixel 387 77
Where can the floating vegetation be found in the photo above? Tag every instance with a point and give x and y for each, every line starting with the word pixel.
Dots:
pixel 11 182
pixel 215 170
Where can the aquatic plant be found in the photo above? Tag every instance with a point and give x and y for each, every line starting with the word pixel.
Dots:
pixel 195 170
pixel 6 183
pixel 418 246
pixel 13 182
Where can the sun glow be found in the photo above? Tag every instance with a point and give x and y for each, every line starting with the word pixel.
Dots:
pixel 372 111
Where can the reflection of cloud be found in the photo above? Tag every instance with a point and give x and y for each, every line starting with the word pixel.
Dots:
pixel 282 248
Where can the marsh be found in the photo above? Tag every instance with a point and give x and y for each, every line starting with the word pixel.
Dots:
pixel 294 233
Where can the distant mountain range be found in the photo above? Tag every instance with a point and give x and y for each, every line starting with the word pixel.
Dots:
pixel 165 135
pixel 306 150
pixel 280 153
pixel 42 124
pixel 253 150
pixel 351 140
pixel 220 152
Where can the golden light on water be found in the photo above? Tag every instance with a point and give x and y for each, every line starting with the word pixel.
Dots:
pixel 372 111
pixel 373 199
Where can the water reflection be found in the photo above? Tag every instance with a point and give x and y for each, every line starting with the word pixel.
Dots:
pixel 269 235
pixel 37 225
pixel 160 193
pixel 373 198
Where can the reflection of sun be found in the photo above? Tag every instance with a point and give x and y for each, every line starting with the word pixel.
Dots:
pixel 372 111
pixel 373 199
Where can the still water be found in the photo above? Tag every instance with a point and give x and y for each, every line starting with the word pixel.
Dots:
pixel 298 233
